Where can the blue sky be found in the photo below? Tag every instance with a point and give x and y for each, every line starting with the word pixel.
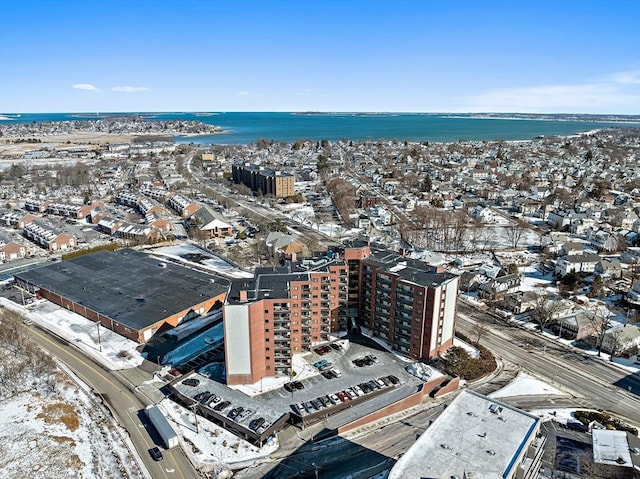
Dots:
pixel 300 55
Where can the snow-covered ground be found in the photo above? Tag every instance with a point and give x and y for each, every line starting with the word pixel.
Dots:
pixel 109 349
pixel 214 446
pixel 526 385
pixel 302 370
pixel 51 426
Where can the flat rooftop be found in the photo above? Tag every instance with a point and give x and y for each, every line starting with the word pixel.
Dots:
pixel 127 286
pixel 474 434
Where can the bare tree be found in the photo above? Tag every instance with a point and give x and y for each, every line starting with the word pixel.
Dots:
pixel 545 309
pixel 616 344
pixel 478 330
pixel 600 321
pixel 514 232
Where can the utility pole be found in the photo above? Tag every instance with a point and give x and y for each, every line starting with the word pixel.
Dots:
pixel 99 340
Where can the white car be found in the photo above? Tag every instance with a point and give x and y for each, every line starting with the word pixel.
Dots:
pixel 334 399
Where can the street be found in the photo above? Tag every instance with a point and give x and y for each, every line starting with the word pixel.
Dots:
pixel 123 403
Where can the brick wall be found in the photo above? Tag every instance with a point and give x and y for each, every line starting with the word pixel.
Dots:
pixel 405 403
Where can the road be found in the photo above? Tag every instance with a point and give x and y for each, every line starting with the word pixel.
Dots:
pixel 125 405
pixel 603 386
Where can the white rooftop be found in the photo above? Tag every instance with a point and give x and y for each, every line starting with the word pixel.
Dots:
pixel 611 447
pixel 474 434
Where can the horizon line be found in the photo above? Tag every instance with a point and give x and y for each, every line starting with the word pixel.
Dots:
pixel 320 112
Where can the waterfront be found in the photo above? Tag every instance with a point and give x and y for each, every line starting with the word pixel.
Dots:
pixel 244 128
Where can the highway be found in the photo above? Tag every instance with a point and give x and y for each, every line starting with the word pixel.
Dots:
pixel 125 405
pixel 601 385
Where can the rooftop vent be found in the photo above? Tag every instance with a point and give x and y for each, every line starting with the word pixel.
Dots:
pixel 162 265
pixel 491 452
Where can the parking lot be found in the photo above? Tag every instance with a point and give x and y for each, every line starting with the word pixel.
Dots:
pixel 360 388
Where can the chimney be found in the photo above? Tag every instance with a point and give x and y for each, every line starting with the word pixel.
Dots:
pixel 243 295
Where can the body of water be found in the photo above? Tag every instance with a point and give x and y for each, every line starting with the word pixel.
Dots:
pixel 243 128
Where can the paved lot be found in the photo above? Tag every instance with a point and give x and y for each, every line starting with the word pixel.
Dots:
pixel 273 404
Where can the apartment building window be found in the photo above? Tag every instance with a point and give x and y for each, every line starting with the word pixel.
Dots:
pixel 266 330
pixel 268 368
pixel 267 349
pixel 268 358
pixel 266 311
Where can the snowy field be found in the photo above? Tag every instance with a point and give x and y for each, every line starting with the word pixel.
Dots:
pixel 111 350
pixel 61 435
pixel 51 426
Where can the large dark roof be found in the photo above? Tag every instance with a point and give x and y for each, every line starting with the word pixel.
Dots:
pixel 407 269
pixel 127 286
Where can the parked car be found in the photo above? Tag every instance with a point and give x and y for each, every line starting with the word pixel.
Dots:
pixel 328 374
pixel 191 382
pixel 335 346
pixel 349 392
pixel 319 364
pixel 222 405
pixel 379 383
pixel 297 385
pixel 343 396
pixel 335 372
pixel 371 357
pixel 309 407
pixel 358 390
pixel 155 453
pixel 334 399
pixel 200 396
pixel 245 414
pixel 289 387
pixel 393 379
pixel 317 404
pixel 325 366
pixel 386 381
pixel 235 412
pixel 256 423
pixel 319 350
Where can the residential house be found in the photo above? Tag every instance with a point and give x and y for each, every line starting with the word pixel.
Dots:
pixel 211 223
pixel 603 241
pixel 11 251
pixel 621 338
pixel 610 268
pixel 576 263
pixel 498 288
pixel 578 325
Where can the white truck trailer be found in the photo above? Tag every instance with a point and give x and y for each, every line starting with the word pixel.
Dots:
pixel 163 427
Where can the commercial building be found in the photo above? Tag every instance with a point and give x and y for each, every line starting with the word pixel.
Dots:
pixel 127 291
pixel 476 437
pixel 266 180
pixel 286 310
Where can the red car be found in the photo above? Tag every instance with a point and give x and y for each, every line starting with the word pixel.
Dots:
pixel 343 396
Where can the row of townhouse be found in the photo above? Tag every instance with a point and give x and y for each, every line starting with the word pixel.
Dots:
pixel 47 237
pixel 182 205
pixel 139 232
pixel 61 209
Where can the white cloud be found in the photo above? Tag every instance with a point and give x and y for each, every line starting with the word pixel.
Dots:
pixel 130 89
pixel 616 93
pixel 85 86
pixel 626 78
